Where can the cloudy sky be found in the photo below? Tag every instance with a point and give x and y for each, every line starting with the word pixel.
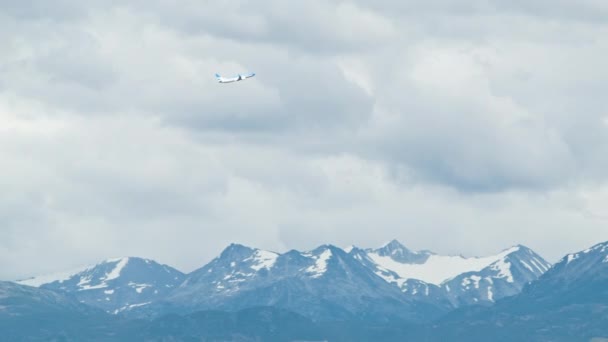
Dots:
pixel 456 126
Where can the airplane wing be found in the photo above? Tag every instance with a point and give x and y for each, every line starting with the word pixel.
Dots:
pixel 248 75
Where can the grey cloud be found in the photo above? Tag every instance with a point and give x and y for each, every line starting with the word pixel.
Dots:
pixel 463 144
pixel 545 9
pixel 309 95
pixel 482 122
pixel 76 72
pixel 302 26
pixel 42 10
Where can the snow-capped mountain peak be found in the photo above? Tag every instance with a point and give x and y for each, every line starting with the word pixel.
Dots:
pixel 315 283
pixel 349 248
pixel 462 280
pixel 583 263
pixel 106 270
pixel 114 284
pixel 399 253
pixel 235 250
pixel 119 266
pixel 262 259
pixel 236 266
pixel 601 249
pixel 253 258
pixel 99 276
pixel 60 277
pixel 320 263
pixel 511 270
pixel 394 244
pixel 242 276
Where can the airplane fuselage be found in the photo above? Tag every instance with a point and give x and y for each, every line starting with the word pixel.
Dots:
pixel 233 79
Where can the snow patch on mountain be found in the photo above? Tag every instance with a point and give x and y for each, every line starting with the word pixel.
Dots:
pixel 466 282
pixel 575 258
pixel 527 266
pixel 263 259
pixel 138 287
pixel 390 277
pixel 541 266
pixel 438 268
pixel 571 257
pixel 129 307
pixel 504 269
pixel 53 277
pixel 601 248
pixel 120 264
pixel 320 266
pixel 114 273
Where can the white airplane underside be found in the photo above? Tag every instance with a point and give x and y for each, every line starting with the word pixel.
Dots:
pixel 238 78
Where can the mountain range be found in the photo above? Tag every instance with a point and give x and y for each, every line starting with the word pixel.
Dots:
pixel 386 293
pixel 390 282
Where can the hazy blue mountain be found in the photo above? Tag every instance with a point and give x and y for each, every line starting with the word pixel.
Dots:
pixel 323 284
pixel 412 289
pixel 269 324
pixel 252 324
pixel 505 277
pixel 398 252
pixel 567 303
pixel 327 283
pixel 325 294
pixel 114 285
pixel 33 314
pixel 20 300
pixel 454 279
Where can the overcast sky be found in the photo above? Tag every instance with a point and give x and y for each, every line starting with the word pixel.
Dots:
pixel 462 127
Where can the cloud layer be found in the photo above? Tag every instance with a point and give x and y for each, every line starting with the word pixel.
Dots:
pixel 482 123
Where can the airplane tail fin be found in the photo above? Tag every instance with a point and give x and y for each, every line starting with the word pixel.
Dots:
pixel 218 76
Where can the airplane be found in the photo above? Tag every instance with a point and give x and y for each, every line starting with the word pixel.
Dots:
pixel 239 77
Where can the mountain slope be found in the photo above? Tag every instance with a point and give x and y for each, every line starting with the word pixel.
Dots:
pixel 32 314
pixel 507 276
pixel 323 284
pixel 459 280
pixel 253 324
pixel 114 285
pixel 567 303
pixel 326 283
pixel 19 300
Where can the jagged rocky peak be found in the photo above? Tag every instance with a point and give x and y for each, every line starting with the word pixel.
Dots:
pixel 599 251
pixel 398 252
pixel 235 264
pixel 253 257
pixel 527 258
pixel 591 262
pixel 327 248
pixel 322 256
pixel 236 251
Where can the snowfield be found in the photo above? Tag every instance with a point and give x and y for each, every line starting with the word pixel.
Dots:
pixel 439 268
